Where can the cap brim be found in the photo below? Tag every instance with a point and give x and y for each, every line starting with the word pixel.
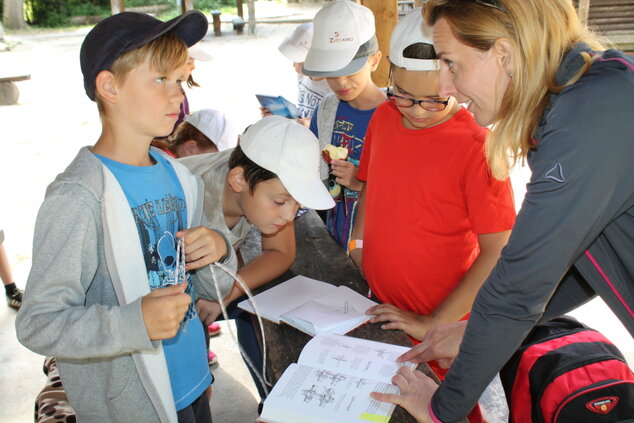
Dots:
pixel 312 193
pixel 190 27
pixel 353 67
pixel 326 60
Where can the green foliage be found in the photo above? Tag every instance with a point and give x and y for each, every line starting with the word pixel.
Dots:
pixel 52 13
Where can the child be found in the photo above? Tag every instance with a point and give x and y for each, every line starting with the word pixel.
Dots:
pixel 310 90
pixel 262 183
pixel 12 292
pixel 205 131
pixel 432 219
pixel 346 61
pixel 118 254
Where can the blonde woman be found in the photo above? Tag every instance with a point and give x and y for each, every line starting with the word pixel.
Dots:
pixel 559 99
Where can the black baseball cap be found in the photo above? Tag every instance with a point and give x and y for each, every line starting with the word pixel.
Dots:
pixel 127 31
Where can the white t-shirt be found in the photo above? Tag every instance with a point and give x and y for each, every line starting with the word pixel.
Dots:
pixel 310 94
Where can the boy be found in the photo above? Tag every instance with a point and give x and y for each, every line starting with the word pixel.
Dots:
pixel 344 51
pixel 261 183
pixel 310 90
pixel 205 131
pixel 433 236
pixel 118 318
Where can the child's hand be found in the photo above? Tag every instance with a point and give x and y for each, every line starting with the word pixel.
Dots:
pixel 346 174
pixel 413 324
pixel 208 310
pixel 203 246
pixel 265 112
pixel 163 310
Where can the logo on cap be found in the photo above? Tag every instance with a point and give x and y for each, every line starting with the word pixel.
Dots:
pixel 602 405
pixel 338 39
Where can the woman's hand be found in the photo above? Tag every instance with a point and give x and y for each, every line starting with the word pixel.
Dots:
pixel 441 344
pixel 416 391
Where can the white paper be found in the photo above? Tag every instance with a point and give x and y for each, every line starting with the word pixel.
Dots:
pixel 286 296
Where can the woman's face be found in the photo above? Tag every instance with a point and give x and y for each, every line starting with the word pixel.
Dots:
pixel 477 77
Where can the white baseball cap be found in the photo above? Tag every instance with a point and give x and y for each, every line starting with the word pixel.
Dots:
pixel 410 30
pixel 291 151
pixel 343 39
pixel 216 126
pixel 296 45
pixel 197 52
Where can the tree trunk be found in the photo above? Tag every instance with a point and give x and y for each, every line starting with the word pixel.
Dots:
pixel 386 16
pixel 117 6
pixel 13 14
pixel 187 5
pixel 251 17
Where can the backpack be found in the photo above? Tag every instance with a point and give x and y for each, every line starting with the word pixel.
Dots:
pixel 565 372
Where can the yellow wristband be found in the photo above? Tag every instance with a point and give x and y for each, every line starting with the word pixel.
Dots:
pixel 355 244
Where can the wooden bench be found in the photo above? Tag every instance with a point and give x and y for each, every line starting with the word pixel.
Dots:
pixel 238 24
pixel 9 93
pixel 320 257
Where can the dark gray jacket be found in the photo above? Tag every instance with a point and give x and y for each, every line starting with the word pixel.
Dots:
pixel 574 235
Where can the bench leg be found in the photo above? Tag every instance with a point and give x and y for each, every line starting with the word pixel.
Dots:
pixel 9 93
pixel 216 20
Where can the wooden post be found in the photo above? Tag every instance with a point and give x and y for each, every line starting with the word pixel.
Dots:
pixel 240 8
pixel 386 16
pixel 418 3
pixel 251 4
pixel 584 10
pixel 13 14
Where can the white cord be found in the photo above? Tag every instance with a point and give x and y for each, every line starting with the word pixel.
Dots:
pixel 261 376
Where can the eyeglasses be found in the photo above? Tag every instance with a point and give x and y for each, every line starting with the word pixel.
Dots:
pixel 427 103
pixel 489 3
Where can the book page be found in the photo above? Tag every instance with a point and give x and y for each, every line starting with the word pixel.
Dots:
pixel 354 356
pixel 310 395
pixel 286 296
pixel 336 313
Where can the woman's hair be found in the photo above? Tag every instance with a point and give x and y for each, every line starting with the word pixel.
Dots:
pixel 166 53
pixel 541 31
pixel 185 132
pixel 253 173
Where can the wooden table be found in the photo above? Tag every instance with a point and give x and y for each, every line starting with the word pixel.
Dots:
pixel 320 257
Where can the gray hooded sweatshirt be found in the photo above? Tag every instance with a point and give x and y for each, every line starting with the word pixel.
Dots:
pixel 574 235
pixel 82 301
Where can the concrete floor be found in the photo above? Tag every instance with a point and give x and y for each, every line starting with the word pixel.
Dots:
pixel 41 134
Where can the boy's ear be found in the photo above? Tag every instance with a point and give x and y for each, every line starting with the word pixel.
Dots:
pixel 106 86
pixel 374 60
pixel 236 180
pixel 190 148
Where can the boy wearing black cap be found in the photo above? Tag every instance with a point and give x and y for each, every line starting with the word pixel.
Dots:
pixel 118 318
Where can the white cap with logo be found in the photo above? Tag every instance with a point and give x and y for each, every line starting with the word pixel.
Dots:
pixel 216 126
pixel 342 31
pixel 410 30
pixel 291 151
pixel 296 45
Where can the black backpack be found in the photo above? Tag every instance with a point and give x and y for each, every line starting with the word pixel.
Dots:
pixel 565 372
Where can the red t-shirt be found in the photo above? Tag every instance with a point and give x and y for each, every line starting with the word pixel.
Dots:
pixel 429 193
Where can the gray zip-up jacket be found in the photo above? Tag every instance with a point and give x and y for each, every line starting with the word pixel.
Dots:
pixel 574 235
pixel 82 301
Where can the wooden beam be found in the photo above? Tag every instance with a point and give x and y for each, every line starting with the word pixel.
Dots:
pixel 251 4
pixel 385 16
pixel 117 6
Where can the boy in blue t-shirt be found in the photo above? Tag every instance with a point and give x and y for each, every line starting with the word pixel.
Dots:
pixel 120 249
pixel 345 51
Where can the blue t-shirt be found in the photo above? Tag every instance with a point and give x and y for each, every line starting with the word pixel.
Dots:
pixel 348 132
pixel 158 205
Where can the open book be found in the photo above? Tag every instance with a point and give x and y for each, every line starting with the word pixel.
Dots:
pixel 312 306
pixel 278 106
pixel 332 381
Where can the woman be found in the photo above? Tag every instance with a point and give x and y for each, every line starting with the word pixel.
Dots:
pixel 561 101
